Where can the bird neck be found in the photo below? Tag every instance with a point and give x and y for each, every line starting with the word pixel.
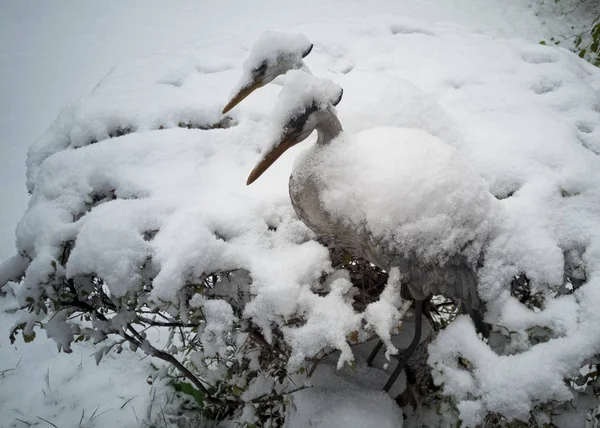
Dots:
pixel 328 129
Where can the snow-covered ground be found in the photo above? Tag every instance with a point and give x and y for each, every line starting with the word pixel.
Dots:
pixel 470 72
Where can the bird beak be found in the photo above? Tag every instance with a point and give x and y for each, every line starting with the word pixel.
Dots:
pixel 270 158
pixel 243 93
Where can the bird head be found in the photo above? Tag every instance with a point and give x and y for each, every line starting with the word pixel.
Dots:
pixel 273 54
pixel 304 103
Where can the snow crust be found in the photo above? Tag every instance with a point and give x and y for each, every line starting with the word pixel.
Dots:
pixel 511 119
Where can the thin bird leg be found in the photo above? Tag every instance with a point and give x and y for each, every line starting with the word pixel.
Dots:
pixel 374 353
pixel 411 348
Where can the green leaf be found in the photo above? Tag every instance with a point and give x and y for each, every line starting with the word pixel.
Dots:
pixel 188 389
pixel 582 53
pixel 543 42
pixel 577 41
pixel 594 46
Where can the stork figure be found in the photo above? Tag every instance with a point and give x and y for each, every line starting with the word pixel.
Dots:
pixel 395 197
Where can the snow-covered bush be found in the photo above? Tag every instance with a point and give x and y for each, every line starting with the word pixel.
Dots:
pixel 584 37
pixel 141 232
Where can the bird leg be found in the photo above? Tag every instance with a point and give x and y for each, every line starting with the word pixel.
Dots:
pixel 374 353
pixel 411 348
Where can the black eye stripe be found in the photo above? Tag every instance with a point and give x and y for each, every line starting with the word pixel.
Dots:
pixel 261 68
pixel 297 122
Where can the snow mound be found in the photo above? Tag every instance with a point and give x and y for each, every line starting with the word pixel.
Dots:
pixel 173 92
pixel 343 399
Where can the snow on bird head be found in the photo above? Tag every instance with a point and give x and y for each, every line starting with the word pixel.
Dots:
pixel 273 54
pixel 303 103
pixel 274 49
pixel 303 94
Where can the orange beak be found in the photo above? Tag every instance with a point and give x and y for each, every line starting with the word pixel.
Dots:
pixel 242 93
pixel 270 159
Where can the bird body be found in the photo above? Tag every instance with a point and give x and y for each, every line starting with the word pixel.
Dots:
pixel 397 198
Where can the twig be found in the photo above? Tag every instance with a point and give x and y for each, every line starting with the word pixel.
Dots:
pixel 125 403
pixel 92 417
pixel 166 324
pixel 141 342
pixel 151 350
pixel 46 422
pixel 269 398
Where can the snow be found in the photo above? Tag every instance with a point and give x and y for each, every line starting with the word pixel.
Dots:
pixel 331 321
pixel 537 373
pixel 489 114
pixel 343 398
pixel 13 269
pixel 349 409
pixel 384 315
pixel 37 383
pixel 219 319
pixel 301 92
pixel 273 49
pixel 424 199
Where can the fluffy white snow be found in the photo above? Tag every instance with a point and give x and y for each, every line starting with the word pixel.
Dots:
pixel 271 52
pixel 347 398
pixel 523 119
pixel 413 191
pixel 300 91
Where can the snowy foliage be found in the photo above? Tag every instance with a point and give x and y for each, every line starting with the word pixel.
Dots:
pixel 140 217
